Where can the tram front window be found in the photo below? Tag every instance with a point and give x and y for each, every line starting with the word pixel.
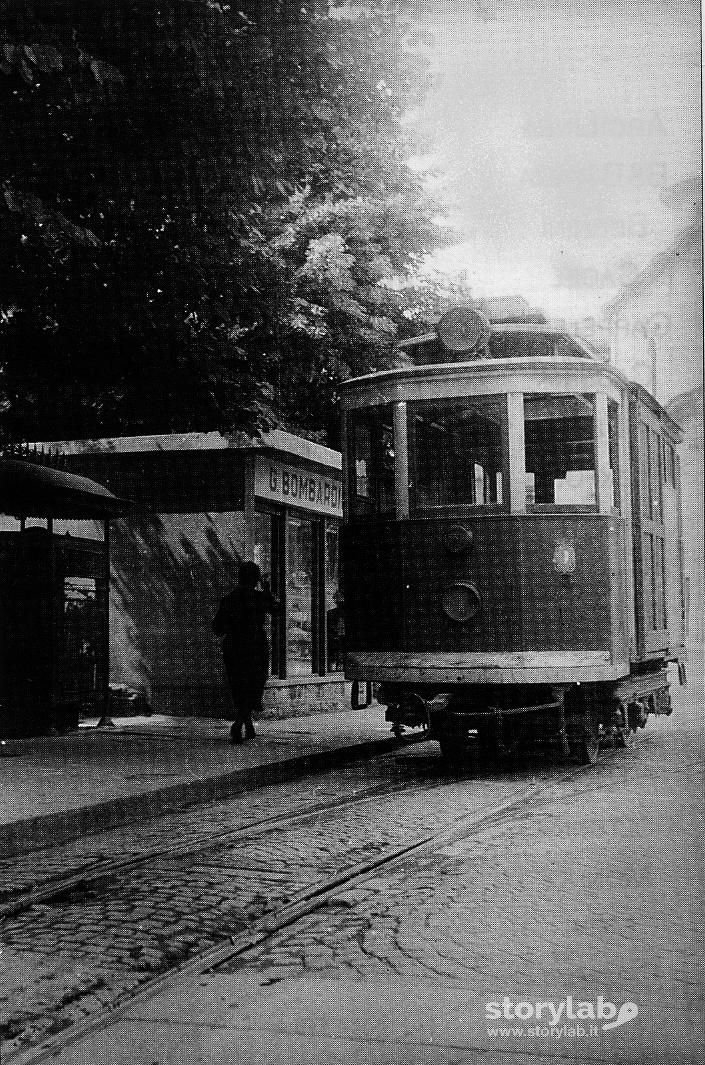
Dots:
pixel 456 452
pixel 371 461
pixel 559 433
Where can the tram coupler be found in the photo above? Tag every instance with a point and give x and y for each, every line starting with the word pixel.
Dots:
pixel 412 709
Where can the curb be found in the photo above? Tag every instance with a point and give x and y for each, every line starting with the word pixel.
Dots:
pixel 49 830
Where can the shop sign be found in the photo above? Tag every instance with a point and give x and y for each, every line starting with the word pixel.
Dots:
pixel 280 483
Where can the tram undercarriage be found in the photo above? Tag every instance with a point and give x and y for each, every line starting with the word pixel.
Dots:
pixel 494 721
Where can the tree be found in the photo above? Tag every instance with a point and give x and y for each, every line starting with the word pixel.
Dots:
pixel 199 209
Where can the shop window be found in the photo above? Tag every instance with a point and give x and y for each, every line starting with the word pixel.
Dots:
pixel 560 450
pixel 335 616
pixel 371 462
pixel 456 452
pixel 261 532
pixel 299 596
pixel 84 604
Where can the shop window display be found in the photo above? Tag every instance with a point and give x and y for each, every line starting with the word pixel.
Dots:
pixel 335 605
pixel 299 596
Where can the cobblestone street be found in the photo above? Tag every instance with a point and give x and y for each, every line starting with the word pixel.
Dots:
pixel 87 947
pixel 596 892
pixel 589 890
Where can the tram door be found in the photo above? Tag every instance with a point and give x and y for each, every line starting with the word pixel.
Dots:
pixel 53 631
pixel 658 574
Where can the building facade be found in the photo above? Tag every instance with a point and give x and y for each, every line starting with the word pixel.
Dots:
pixel 655 324
pixel 655 329
pixel 204 502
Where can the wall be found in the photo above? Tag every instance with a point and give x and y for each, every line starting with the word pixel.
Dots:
pixel 656 338
pixel 169 573
pixel 656 335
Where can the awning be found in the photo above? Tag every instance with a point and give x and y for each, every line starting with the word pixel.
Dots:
pixel 30 490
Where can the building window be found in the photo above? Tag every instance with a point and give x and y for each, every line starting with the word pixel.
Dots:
pixel 559 432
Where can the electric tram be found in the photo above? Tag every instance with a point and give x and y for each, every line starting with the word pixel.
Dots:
pixel 512 550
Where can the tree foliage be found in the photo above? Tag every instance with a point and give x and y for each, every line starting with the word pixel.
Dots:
pixel 200 208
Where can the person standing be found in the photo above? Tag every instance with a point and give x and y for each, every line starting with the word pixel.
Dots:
pixel 240 622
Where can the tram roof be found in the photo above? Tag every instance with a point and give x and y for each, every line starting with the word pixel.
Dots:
pixel 542 368
pixel 428 349
pixel 547 365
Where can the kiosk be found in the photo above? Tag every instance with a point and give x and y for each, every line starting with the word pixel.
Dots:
pixel 54 578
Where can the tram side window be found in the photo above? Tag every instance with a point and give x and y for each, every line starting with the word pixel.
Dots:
pixel 613 445
pixel 654 444
pixel 456 450
pixel 559 433
pixel 371 462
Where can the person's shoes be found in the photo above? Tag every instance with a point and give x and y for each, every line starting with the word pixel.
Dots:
pixel 236 733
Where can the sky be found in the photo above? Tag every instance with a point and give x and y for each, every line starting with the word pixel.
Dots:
pixel 556 125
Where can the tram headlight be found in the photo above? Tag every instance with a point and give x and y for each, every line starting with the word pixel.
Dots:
pixel 461 601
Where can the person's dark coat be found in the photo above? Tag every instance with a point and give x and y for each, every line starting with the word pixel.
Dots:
pixel 240 621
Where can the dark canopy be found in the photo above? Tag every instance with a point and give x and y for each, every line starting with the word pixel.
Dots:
pixel 31 490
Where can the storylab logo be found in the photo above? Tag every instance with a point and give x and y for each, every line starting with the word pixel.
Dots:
pixel 565 1018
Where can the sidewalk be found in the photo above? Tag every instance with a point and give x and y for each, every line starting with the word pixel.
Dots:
pixel 56 788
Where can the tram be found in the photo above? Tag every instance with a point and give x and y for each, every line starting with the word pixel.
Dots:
pixel 512 550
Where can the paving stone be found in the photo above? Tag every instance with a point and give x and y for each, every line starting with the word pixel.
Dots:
pixel 534 899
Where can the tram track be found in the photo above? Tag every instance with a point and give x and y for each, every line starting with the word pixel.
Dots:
pixel 95 872
pixel 308 899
